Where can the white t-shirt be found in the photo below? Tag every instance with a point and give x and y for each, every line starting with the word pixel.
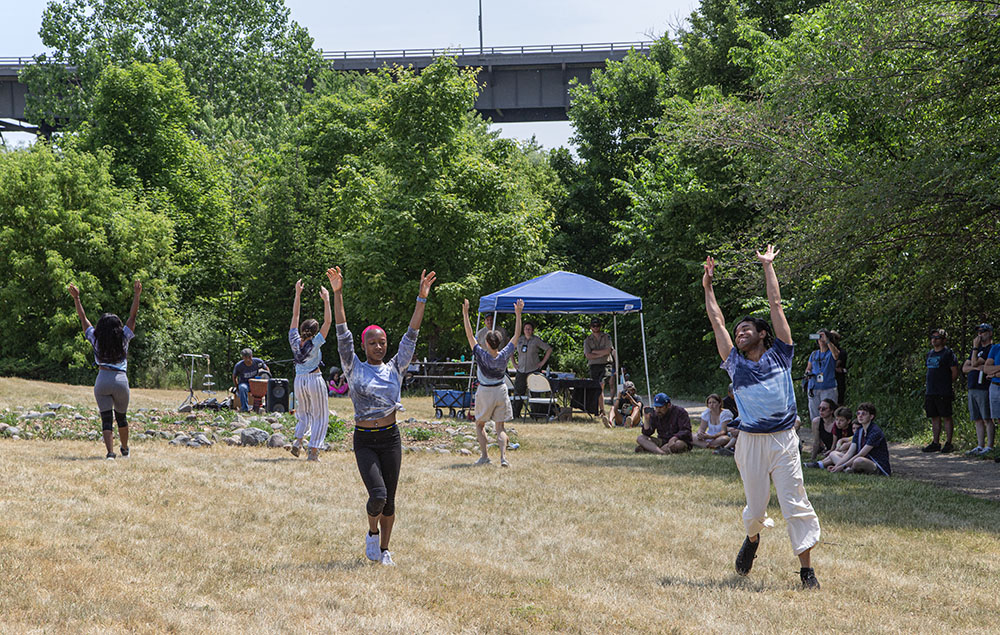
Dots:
pixel 725 417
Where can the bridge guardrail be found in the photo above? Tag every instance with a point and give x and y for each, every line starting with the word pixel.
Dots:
pixel 487 50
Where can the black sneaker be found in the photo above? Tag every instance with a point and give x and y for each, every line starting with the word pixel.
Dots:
pixel 110 456
pixel 809 580
pixel 946 448
pixel 744 559
pixel 933 447
pixel 124 452
pixel 813 464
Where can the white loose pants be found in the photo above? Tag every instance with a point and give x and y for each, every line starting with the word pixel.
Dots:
pixel 312 408
pixel 762 458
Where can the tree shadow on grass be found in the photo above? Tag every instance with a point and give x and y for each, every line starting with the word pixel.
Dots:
pixel 732 582
pixel 80 458
pixel 280 459
pixel 333 565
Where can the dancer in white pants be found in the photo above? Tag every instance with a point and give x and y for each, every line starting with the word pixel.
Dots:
pixel 312 410
pixel 767 448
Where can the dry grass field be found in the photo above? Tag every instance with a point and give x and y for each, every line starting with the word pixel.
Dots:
pixel 580 535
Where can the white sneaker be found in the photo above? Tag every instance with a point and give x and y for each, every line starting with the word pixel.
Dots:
pixel 372 547
pixel 975 451
pixel 483 460
pixel 504 463
pixel 387 559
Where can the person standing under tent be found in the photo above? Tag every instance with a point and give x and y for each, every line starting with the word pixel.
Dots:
pixel 527 350
pixel 375 392
pixel 598 350
pixel 110 339
pixel 487 327
pixel 760 366
pixel 312 409
pixel 492 400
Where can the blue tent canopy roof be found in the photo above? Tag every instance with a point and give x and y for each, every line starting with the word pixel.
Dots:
pixel 561 292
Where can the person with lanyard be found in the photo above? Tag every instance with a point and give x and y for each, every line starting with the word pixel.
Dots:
pixel 312 402
pixel 527 350
pixel 868 452
pixel 246 369
pixel 760 367
pixel 109 340
pixel 375 392
pixel 599 352
pixel 980 413
pixel 822 373
pixel 492 400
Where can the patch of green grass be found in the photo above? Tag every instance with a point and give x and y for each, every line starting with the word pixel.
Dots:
pixel 337 430
pixel 421 434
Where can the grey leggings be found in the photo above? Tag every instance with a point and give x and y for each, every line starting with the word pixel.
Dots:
pixel 111 390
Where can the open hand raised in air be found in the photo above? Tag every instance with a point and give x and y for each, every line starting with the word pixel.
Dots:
pixel 336 278
pixel 299 286
pixel 518 307
pixel 767 257
pixel 426 280
pixel 73 291
pixel 709 275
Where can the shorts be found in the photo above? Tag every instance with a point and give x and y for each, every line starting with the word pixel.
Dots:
pixel 938 405
pixel 599 371
pixel 979 404
pixel 995 401
pixel 493 404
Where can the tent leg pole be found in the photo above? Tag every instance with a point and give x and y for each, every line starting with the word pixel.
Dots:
pixel 615 389
pixel 645 360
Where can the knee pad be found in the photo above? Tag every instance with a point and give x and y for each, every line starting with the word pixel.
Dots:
pixel 106 420
pixel 120 418
pixel 389 509
pixel 376 505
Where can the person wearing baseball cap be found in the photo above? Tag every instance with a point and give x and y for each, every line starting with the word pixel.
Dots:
pixel 670 424
pixel 939 396
pixel 979 391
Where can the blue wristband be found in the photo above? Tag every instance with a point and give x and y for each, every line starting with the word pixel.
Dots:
pixel 419 299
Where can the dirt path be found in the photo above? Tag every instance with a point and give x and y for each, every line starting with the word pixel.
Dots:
pixel 975 477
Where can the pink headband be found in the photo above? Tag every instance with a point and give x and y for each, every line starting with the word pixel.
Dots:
pixel 370 327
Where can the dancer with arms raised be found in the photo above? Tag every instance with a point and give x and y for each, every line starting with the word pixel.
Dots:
pixel 767 447
pixel 109 340
pixel 375 391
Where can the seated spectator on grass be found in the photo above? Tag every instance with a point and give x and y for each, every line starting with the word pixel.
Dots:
pixel 627 408
pixel 823 428
pixel 713 431
pixel 868 452
pixel 843 429
pixel 338 383
pixel 670 424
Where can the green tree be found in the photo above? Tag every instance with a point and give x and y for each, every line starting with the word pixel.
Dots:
pixel 245 61
pixel 62 220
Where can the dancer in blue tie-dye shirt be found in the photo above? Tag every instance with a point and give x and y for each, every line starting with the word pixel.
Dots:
pixel 767 448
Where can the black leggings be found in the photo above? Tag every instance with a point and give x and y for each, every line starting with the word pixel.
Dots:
pixel 379 455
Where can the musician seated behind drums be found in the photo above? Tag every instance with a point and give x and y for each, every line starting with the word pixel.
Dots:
pixel 245 370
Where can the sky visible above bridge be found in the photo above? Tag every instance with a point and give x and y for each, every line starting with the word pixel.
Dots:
pixel 396 24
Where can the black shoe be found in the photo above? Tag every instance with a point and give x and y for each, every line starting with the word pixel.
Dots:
pixel 809 580
pixel 111 456
pixel 933 447
pixel 813 464
pixel 744 559
pixel 124 452
pixel 946 448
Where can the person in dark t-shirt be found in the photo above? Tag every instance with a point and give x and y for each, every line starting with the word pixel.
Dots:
pixel 245 370
pixel 942 371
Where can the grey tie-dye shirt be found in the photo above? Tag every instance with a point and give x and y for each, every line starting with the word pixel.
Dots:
pixel 375 388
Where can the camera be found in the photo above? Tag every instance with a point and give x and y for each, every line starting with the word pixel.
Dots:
pixel 814 336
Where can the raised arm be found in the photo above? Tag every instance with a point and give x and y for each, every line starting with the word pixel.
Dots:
pixel 426 280
pixel 324 329
pixel 781 329
pixel 469 335
pixel 295 305
pixel 518 308
pixel 723 341
pixel 833 347
pixel 84 322
pixel 137 290
pixel 336 278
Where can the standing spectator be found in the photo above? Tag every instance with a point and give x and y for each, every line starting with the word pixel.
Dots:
pixel 942 371
pixel 245 370
pixel 714 430
pixel 991 369
pixel 598 351
pixel 760 367
pixel 672 427
pixel 527 350
pixel 979 391
pixel 822 372
pixel 487 327
pixel 841 369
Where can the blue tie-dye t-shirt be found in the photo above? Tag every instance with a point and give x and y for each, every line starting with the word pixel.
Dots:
pixel 763 389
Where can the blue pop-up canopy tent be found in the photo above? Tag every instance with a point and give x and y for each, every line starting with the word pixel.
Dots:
pixel 565 292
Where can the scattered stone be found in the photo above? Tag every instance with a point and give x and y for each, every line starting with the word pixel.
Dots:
pixel 47 415
pixel 180 439
pixel 191 417
pixel 232 441
pixel 3 427
pixel 465 452
pixel 15 438
pixel 270 419
pixel 193 444
pixel 253 436
pixel 277 426
pixel 31 414
pixel 79 417
pixel 13 431
pixel 201 439
pixel 185 408
pixel 53 406
pixel 277 440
